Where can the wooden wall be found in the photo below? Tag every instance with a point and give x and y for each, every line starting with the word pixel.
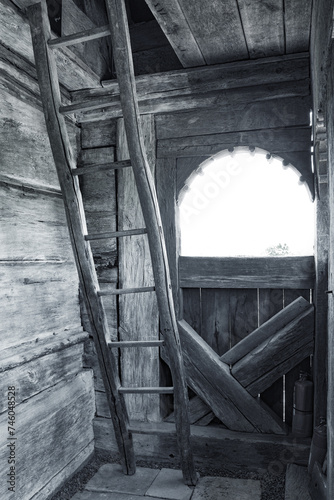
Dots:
pixel 42 338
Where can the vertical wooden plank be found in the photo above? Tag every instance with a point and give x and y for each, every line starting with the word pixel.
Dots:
pixel 243 313
pixel 165 175
pixel 192 308
pixel 215 319
pixel 321 303
pixel 293 375
pixel 270 303
pixel 138 313
pixel 297 25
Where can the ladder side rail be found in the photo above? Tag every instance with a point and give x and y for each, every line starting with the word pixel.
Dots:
pixel 148 199
pixel 63 157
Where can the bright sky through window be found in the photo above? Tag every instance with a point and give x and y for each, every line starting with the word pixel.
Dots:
pixel 243 204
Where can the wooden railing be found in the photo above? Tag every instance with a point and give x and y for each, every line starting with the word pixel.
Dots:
pixel 225 299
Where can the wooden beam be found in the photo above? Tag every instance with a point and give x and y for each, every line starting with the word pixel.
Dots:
pixel 252 272
pixel 214 447
pixel 276 355
pixel 82 36
pixel 148 201
pixel 266 331
pixel 211 379
pixel 63 157
pixel 297 25
pixel 173 22
pixel 167 102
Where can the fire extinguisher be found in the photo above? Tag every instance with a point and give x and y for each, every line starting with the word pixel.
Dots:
pixel 318 445
pixel 302 418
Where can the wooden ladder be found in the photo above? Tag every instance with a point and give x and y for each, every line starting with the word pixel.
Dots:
pixel 68 179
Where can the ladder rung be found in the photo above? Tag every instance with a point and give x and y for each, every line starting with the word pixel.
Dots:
pixel 136 343
pixel 151 428
pixel 123 291
pixel 82 36
pixel 90 105
pixel 115 234
pixel 107 166
pixel 146 390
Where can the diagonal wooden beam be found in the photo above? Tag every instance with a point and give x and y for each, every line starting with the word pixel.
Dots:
pixel 171 18
pixel 211 379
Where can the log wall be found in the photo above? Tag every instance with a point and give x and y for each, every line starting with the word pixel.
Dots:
pixel 41 331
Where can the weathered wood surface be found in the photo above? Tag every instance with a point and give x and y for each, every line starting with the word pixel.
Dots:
pixel 98 135
pixel 165 175
pixel 217 30
pixel 276 141
pixel 138 313
pixel 318 487
pixel 199 412
pixel 168 102
pixel 149 204
pixel 210 378
pixel 74 74
pixel 191 312
pixel 174 24
pixel 64 161
pixel 267 362
pixel 40 374
pixel 230 272
pixel 214 448
pixel 243 313
pixel 278 113
pixel 215 319
pixel 266 330
pixel 272 70
pixel 259 18
pixel 43 290
pixel 297 25
pixel 59 408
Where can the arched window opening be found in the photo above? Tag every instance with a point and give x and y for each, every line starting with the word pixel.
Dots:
pixel 246 203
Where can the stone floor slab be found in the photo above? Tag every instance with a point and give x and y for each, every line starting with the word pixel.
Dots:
pixel 296 483
pixel 169 485
pixel 93 495
pixel 110 478
pixel 224 488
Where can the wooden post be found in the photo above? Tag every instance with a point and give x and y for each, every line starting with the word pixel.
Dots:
pixel 148 199
pixel 64 161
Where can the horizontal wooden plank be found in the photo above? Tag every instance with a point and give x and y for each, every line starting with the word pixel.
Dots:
pixel 277 113
pixel 266 330
pixel 273 351
pixel 226 76
pixel 272 140
pixel 40 344
pixel 213 448
pixel 73 73
pixel 136 343
pixel 250 272
pixel 169 102
pixel 47 291
pixel 152 428
pixel 210 378
pixel 66 411
pixel 39 374
pixel 115 234
pixel 146 390
pixel 124 291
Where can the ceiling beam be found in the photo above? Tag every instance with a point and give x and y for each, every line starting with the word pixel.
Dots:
pixel 170 16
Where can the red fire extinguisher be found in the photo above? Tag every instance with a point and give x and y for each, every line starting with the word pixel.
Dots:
pixel 302 418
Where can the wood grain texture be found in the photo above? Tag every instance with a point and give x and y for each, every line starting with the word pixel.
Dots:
pixel 287 112
pixel 230 272
pixel 267 329
pixel 268 356
pixel 60 409
pixel 15 33
pixel 192 313
pixel 243 314
pixel 217 29
pixel 263 24
pixel 213 447
pixel 210 378
pixel 138 313
pixel 274 140
pixel 174 24
pixel 297 25
pixel 270 303
pixel 98 135
pixel 215 321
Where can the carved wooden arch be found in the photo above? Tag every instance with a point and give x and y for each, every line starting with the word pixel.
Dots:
pixel 299 161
